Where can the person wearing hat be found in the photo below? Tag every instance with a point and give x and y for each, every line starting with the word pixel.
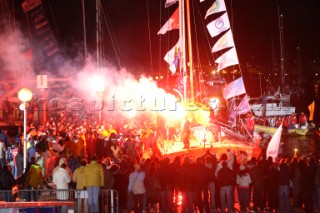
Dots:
pixel 137 188
pixel 243 182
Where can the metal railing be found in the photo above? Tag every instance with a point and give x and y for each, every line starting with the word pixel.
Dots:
pixel 108 199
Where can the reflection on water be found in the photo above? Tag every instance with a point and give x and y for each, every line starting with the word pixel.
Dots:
pixel 306 145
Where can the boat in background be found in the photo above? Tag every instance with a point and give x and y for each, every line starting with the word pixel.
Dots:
pixel 266 131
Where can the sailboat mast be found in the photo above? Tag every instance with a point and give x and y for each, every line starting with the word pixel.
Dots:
pixel 183 62
pixel 281 47
pixel 84 29
pixel 98 33
pixel 190 50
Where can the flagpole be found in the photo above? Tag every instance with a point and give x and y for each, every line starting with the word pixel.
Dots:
pixel 182 62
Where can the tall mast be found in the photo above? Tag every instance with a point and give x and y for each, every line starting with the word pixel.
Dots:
pixel 98 33
pixel 183 62
pixel 190 51
pixel 84 29
pixel 281 46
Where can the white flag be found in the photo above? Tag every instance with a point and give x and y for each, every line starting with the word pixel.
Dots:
pixel 170 2
pixel 244 106
pixel 229 58
pixel 172 57
pixel 234 88
pixel 219 25
pixel 224 42
pixel 216 7
pixel 273 147
pixel 171 24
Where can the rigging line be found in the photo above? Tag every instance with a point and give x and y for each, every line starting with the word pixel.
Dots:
pixel 112 37
pixel 55 25
pixel 206 36
pixel 150 45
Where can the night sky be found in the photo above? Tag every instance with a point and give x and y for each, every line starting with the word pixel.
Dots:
pixel 254 23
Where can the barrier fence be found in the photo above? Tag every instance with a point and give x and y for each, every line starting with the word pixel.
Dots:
pixel 108 199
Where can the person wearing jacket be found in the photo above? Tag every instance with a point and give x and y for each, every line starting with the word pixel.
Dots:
pixel 137 188
pixel 62 178
pixel 7 181
pixel 94 179
pixel 243 182
pixel 34 179
pixel 81 194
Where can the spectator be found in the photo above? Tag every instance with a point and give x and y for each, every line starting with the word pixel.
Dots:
pixel 3 150
pixel 226 181
pixel 34 179
pixel 62 178
pixel 137 188
pixel 7 181
pixel 243 182
pixel 94 180
pixel 81 194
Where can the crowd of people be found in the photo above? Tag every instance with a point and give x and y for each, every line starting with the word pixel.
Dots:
pixel 80 154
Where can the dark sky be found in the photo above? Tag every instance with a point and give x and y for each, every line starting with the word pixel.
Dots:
pixel 254 23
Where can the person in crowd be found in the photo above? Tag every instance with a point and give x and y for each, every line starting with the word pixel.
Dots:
pixel 284 187
pixel 61 178
pixel 3 149
pixel 243 182
pixel 226 181
pixel 308 171
pixel 201 185
pixel 4 137
pixel 19 163
pixel 31 151
pixel 186 178
pixel 255 171
pixel 79 178
pixel 41 162
pixel 211 164
pixel 14 153
pixel 185 134
pixel 7 182
pixel 295 177
pixel 34 179
pixel 166 178
pixel 153 186
pixel 94 179
pixel 272 183
pixel 137 188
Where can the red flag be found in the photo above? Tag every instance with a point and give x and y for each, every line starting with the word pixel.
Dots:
pixel 171 24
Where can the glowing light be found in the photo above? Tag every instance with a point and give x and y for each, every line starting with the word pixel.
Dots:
pixel 97 83
pixel 25 95
pixel 295 150
pixel 22 107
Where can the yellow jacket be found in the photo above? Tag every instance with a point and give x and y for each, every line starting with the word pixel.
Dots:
pixel 94 174
pixel 79 177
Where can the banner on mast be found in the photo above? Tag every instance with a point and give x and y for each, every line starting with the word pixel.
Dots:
pixel 273 147
pixel 170 2
pixel 216 7
pixel 227 59
pixel 224 42
pixel 171 24
pixel 172 57
pixel 219 25
pixel 234 88
pixel 244 106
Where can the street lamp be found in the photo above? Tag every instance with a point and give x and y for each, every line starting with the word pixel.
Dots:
pixel 24 96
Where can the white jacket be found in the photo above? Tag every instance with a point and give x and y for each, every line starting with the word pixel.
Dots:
pixel 61 178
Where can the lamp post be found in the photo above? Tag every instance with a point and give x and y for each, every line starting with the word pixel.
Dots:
pixel 24 96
